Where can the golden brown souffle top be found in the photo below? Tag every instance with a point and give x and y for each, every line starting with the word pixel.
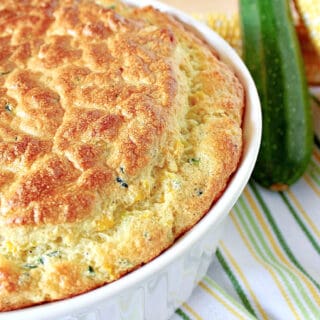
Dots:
pixel 119 127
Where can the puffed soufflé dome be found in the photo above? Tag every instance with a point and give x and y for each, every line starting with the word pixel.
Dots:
pixel 119 127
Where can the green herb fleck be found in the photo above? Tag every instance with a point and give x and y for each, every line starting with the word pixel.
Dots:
pixel 40 260
pixel 54 253
pixel 8 107
pixel 122 182
pixel 30 266
pixel 176 184
pixel 122 169
pixel 112 7
pixel 194 161
pixel 90 270
pixel 146 235
pixel 3 73
pixel 124 263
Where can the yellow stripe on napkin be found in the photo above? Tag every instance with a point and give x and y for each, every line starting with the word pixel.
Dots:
pixel 281 286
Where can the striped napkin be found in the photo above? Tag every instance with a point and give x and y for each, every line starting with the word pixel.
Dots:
pixel 267 265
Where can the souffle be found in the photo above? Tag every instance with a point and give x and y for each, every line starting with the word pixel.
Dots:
pixel 119 128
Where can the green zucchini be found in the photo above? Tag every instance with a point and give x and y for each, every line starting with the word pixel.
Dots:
pixel 272 55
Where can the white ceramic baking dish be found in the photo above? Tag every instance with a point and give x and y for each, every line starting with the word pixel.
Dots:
pixel 155 290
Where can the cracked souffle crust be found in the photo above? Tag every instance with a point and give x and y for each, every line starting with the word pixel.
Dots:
pixel 119 127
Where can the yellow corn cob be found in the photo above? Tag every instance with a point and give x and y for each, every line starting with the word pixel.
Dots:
pixel 227 26
pixel 310 13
